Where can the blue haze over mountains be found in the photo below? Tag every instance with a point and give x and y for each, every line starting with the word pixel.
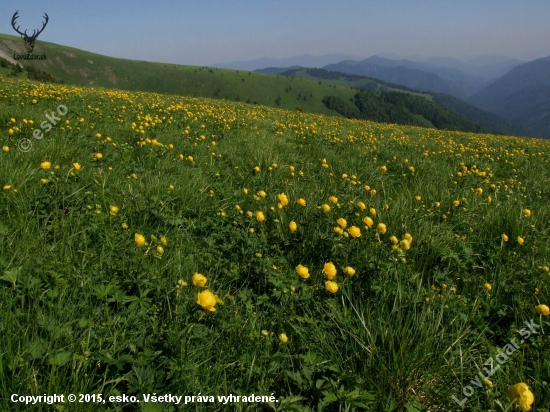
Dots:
pixel 515 90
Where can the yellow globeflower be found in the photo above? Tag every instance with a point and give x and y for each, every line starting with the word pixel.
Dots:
pixel 405 245
pixel 331 286
pixel 543 310
pixel 526 213
pixel 207 300
pixel 5 149
pixel 283 338
pixel 326 208
pixel 329 270
pixel 381 228
pixel 262 194
pixel 418 198
pixel 77 166
pixel 361 205
pixel 139 239
pixel 257 169
pixel 354 231
pixel 488 286
pixel 160 250
pixel 293 226
pixel 408 237
pixel 342 222
pixel 504 237
pixel 348 270
pixel 372 211
pixel 368 221
pixel 302 271
pixel 6 187
pixel 301 202
pixel 479 191
pixel 199 280
pixel 394 240
pixel 521 393
pixel 456 202
pixel 113 210
pixel 283 199
pixel 260 217
pixel 333 199
pixel 338 230
pixel 45 165
pixel 98 156
pixel 384 169
pixel 164 241
pixel 521 240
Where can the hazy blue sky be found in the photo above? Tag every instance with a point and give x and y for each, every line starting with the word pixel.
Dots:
pixel 204 32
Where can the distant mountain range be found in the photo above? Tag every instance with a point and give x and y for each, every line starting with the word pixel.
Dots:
pixel 522 96
pixel 305 60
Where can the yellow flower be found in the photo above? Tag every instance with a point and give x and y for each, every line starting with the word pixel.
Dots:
pixel 408 237
pixel 98 135
pixel 160 250
pixel 113 210
pixel 164 241
pixel 329 270
pixel 199 280
pixel 394 240
pixel 260 216
pixel 368 221
pixel 207 300
pixel 98 156
pixel 301 202
pixel 354 231
pixel 372 211
pixel 381 228
pixel 405 245
pixel 293 226
pixel 6 187
pixel 504 237
pixel 190 158
pixel 361 205
pixel 10 132
pixel 342 222
pixel 262 194
pixel 45 165
pixel 333 199
pixel 171 187
pixel 348 270
pixel 521 240
pixel 77 166
pixel 257 169
pixel 418 198
pixel 282 199
pixel 338 230
pixel 456 202
pixel 479 191
pixel 331 286
pixel 488 286
pixel 526 213
pixel 521 393
pixel 139 239
pixel 302 271
pixel 125 225
pixel 326 208
pixel 283 338
pixel 384 169
pixel 344 176
pixel 543 310
pixel 44 181
pixel 366 187
pixel 5 149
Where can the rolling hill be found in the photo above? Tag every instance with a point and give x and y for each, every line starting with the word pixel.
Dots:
pixel 488 121
pixel 522 96
pixel 82 68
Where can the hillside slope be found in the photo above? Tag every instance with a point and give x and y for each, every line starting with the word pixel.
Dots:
pixel 522 95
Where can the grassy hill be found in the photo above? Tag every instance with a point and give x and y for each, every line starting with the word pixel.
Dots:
pixel 488 122
pixel 160 244
pixel 302 90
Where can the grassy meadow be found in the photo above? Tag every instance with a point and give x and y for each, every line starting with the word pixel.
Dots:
pixel 154 243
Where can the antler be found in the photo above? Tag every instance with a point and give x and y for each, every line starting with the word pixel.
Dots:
pixel 34 33
pixel 34 36
pixel 13 19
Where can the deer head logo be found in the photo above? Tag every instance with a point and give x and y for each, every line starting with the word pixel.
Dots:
pixel 29 40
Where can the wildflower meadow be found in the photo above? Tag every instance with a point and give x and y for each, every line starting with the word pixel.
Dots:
pixel 160 244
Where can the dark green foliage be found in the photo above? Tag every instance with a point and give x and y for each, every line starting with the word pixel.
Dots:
pixel 400 108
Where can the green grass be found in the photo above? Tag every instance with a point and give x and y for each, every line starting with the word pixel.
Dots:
pixel 84 309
